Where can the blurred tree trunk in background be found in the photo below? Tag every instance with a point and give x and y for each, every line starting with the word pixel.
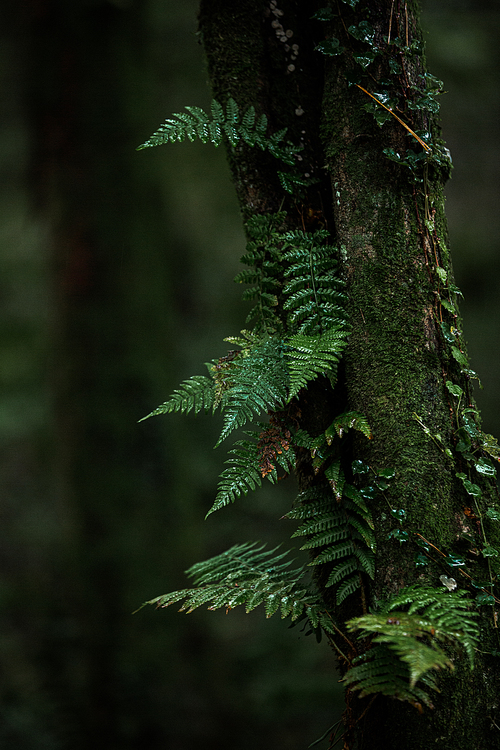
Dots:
pixel 112 263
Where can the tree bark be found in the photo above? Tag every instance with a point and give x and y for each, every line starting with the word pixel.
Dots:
pixel 390 229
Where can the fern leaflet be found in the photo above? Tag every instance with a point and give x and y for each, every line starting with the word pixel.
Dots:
pixel 258 384
pixel 314 290
pixel 311 356
pixel 194 394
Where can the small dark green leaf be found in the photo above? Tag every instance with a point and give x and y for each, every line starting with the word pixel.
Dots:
pixel 358 467
pixel 386 473
pixel 363 31
pixel 454 389
pixel 484 598
pixel 421 559
pixel 422 543
pixel 366 59
pixel 454 561
pixel 493 514
pixel 324 14
pixel 485 467
pixel 489 551
pixel 401 536
pixel 399 514
pixel 331 47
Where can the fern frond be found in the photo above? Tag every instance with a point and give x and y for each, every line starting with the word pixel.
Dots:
pixel 314 291
pixel 245 575
pixel 380 671
pixel 346 421
pixel 449 613
pixel 347 587
pixel 311 356
pixel 194 394
pixel 327 537
pixel 241 476
pixel 259 383
pixel 263 254
pixel 330 554
pixel 195 123
pixel 434 615
pixel 320 522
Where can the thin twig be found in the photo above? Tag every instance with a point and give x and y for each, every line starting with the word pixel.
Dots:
pixel 411 132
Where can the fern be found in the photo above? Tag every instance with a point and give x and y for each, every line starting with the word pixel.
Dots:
pixel 343 537
pixel 246 470
pixel 433 616
pixel 195 123
pixel 379 670
pixel 240 477
pixel 245 575
pixel 346 421
pixel 314 290
pixel 194 394
pixel 258 384
pixel 311 356
pixel 264 256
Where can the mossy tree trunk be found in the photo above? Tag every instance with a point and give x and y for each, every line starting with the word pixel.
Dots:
pixel 387 220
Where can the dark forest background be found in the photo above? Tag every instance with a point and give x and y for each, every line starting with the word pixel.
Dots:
pixel 116 272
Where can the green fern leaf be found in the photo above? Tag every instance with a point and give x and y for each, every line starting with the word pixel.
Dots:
pixel 346 421
pixel 327 537
pixel 311 356
pixel 246 575
pixel 195 123
pixel 334 553
pixel 194 394
pixel 258 384
pixel 240 477
pixel 347 587
pixel 380 671
pixel 342 570
pixel 366 560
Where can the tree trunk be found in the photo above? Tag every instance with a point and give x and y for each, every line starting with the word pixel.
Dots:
pixel 387 219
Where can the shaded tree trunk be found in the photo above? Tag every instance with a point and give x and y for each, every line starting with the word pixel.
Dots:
pixel 388 222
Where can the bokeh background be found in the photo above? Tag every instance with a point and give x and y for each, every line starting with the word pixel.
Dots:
pixel 115 285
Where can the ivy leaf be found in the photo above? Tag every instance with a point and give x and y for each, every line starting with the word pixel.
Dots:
pixel 484 467
pixel 459 356
pixel 493 513
pixel 331 47
pixel 454 389
pixel 366 59
pixel 489 551
pixel 363 31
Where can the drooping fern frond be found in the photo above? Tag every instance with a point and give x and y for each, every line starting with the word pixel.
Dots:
pixel 241 476
pixel 347 421
pixel 263 255
pixel 259 383
pixel 249 464
pixel 196 123
pixel 449 612
pixel 342 536
pixel 314 291
pixel 194 394
pixel 246 575
pixel 379 670
pixel 311 356
pixel 413 637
